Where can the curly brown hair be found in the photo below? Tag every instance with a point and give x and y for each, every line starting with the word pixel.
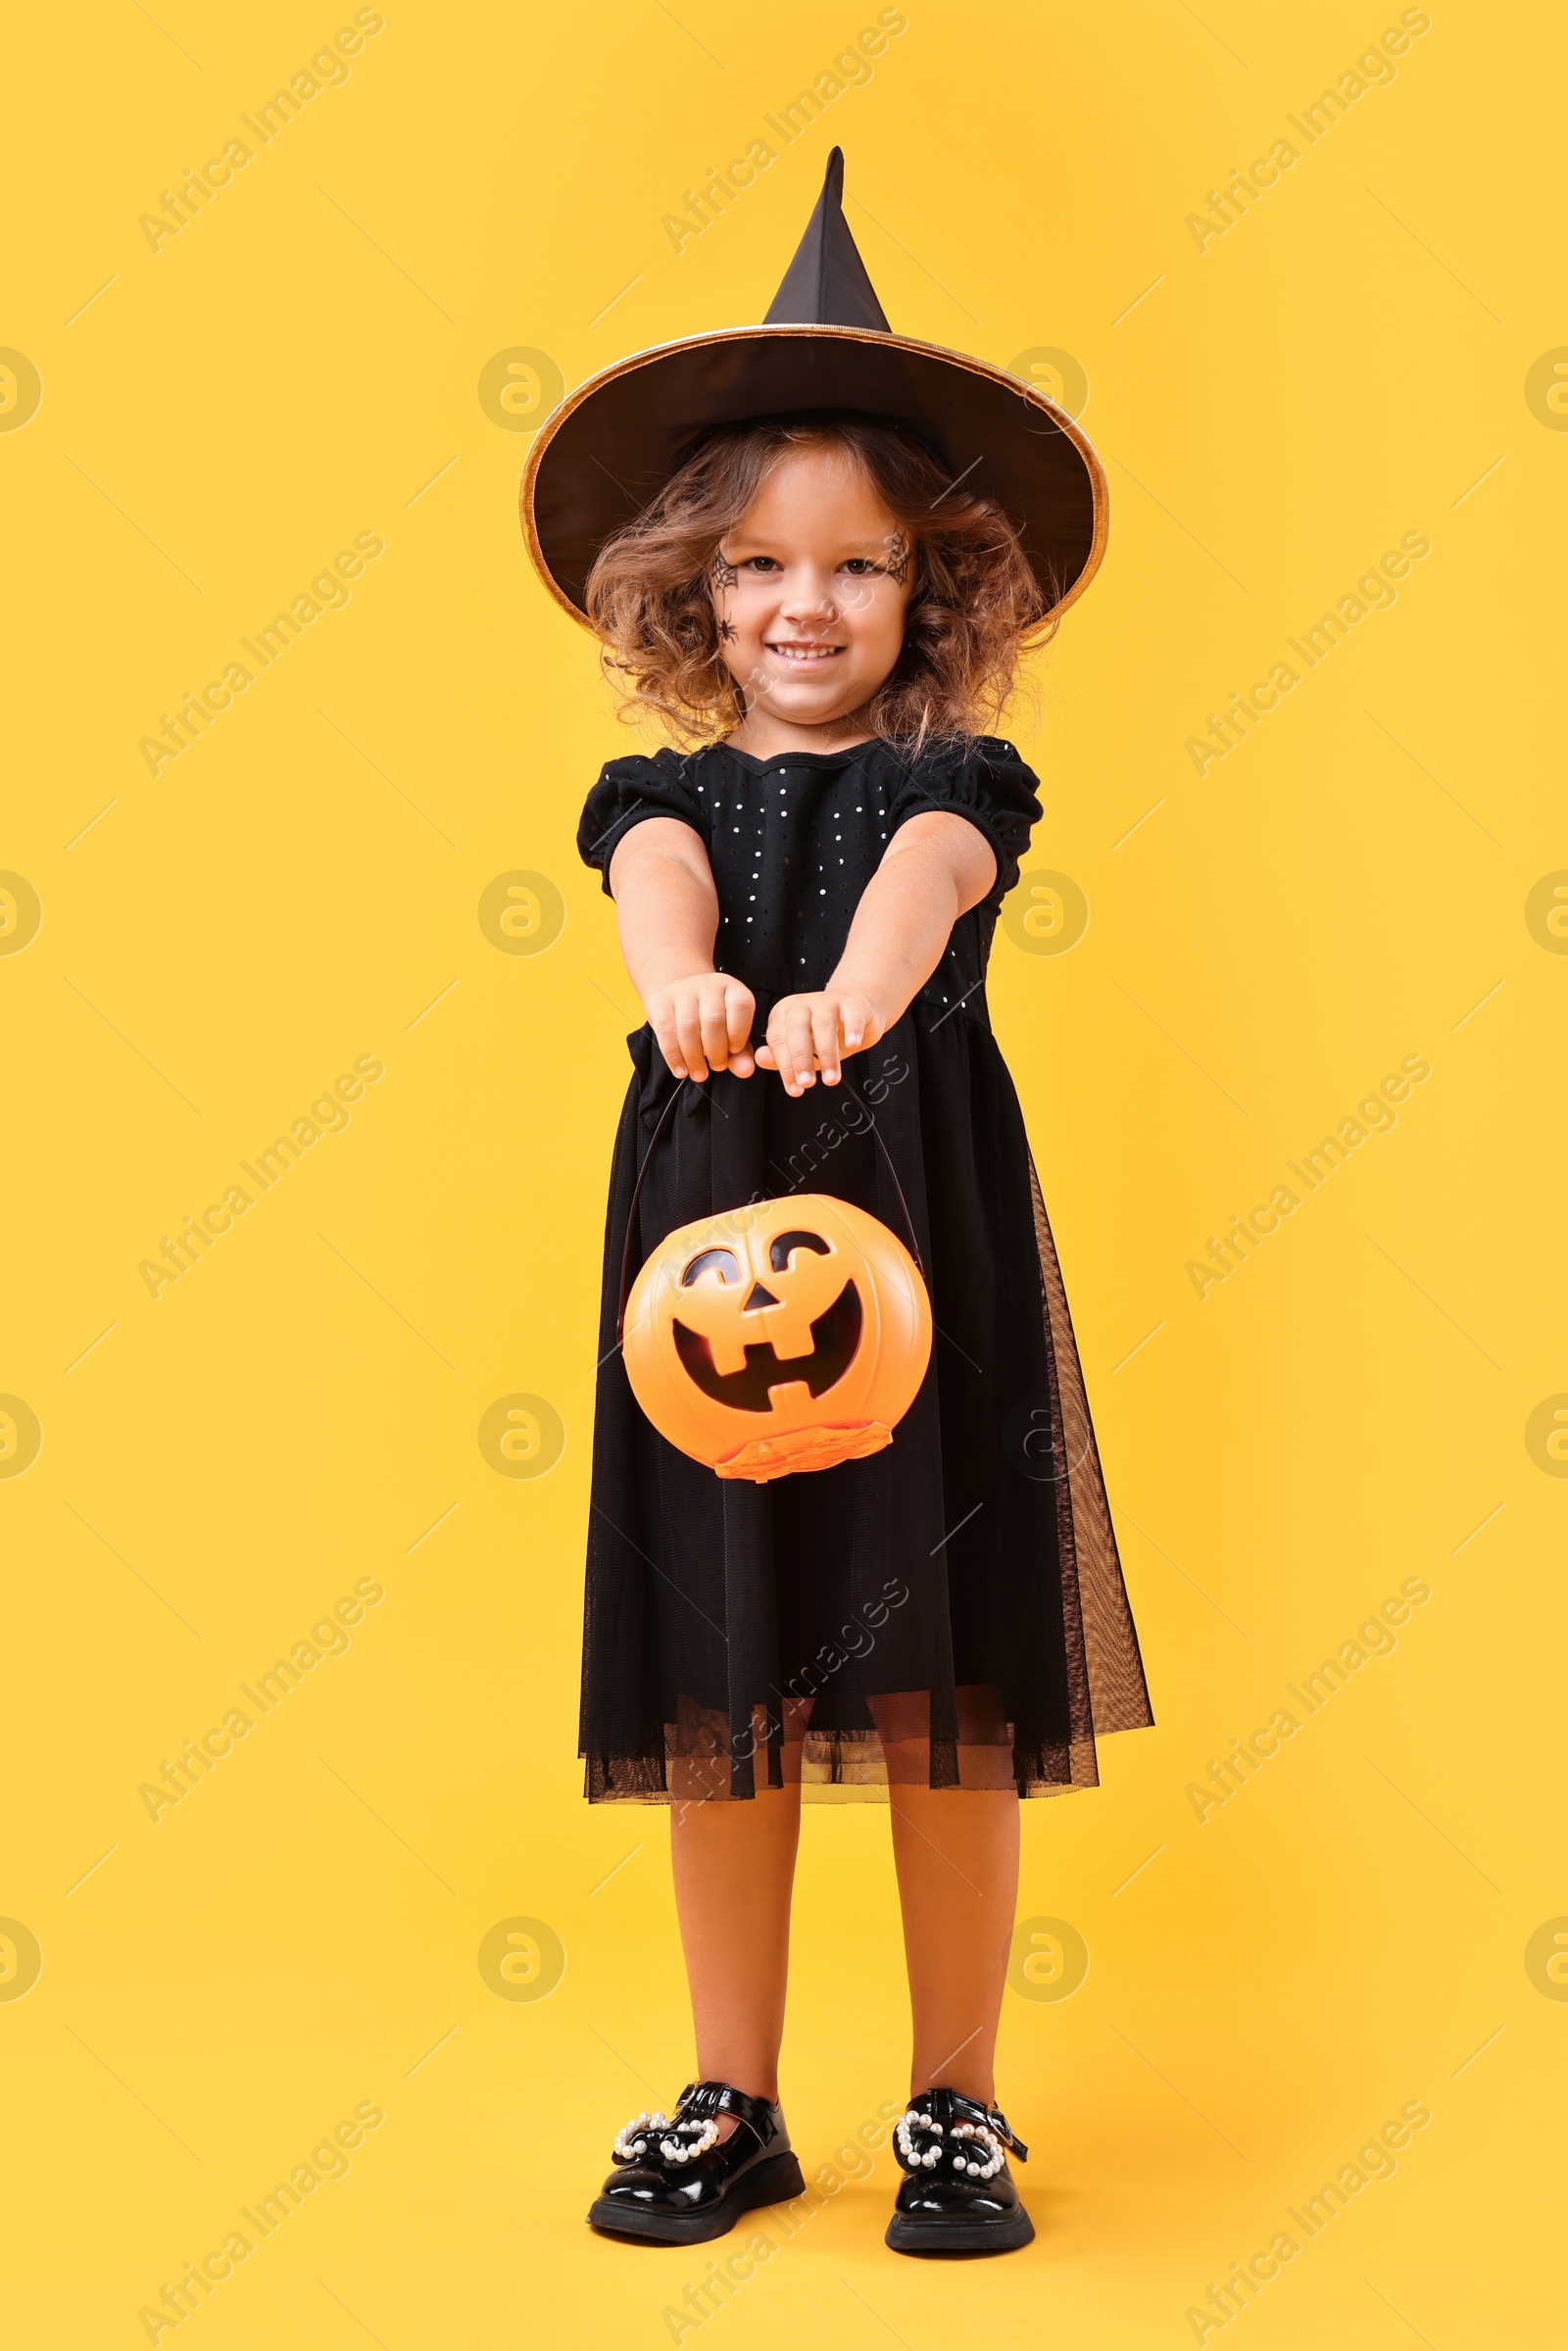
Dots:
pixel 975 610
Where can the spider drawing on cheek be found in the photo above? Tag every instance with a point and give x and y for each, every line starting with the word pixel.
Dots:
pixel 727 632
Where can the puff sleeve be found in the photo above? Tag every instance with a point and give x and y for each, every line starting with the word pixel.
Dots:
pixel 629 791
pixel 985 780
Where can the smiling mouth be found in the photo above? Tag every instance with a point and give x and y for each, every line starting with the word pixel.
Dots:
pixel 836 1342
pixel 806 653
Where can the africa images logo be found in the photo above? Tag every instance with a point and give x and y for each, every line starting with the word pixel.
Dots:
pixel 328 1115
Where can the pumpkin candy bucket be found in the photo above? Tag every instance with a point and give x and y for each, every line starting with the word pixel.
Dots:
pixel 787 1335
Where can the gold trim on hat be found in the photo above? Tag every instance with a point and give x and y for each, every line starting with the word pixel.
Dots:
pixel 1028 393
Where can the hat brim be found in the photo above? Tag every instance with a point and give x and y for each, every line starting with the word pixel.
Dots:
pixel 611 445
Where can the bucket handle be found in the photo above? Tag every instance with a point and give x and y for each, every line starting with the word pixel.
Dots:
pixel 663 1121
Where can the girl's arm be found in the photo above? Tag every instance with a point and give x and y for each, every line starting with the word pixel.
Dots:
pixel 935 869
pixel 666 911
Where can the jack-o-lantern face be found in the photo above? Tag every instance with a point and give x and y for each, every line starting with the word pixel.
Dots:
pixel 786 1336
pixel 834 1333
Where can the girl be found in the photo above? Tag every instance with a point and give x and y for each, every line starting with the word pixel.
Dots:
pixel 790 565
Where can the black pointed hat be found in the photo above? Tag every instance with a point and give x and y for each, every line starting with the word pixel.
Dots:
pixel 825 344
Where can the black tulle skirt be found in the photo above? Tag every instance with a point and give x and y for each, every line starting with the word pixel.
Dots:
pixel 947 1612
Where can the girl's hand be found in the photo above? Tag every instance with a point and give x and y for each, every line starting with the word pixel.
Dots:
pixel 807 1033
pixel 704 1023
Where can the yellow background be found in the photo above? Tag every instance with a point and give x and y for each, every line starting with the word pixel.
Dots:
pixel 296 1414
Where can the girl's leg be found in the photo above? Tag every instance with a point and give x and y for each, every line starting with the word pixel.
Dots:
pixel 957 1855
pixel 734 1867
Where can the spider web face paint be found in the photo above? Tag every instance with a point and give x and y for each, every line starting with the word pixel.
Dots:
pixel 899 557
pixel 721 571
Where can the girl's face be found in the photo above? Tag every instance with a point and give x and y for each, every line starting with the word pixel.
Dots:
pixel 809 590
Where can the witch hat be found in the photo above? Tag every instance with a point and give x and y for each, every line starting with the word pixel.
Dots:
pixel 825 345
pixel 826 284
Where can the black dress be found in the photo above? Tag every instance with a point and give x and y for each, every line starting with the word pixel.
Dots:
pixel 949 1611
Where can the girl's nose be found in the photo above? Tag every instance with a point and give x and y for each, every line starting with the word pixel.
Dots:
pixel 804 599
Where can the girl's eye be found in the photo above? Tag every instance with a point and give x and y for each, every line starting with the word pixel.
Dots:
pixel 861 565
pixel 760 562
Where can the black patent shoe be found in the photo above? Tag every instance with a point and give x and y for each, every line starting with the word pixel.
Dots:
pixel 680 2183
pixel 956 2194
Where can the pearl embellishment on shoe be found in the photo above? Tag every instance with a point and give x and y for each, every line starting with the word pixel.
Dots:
pixel 632 2140
pixel 916 2158
pixel 989 2140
